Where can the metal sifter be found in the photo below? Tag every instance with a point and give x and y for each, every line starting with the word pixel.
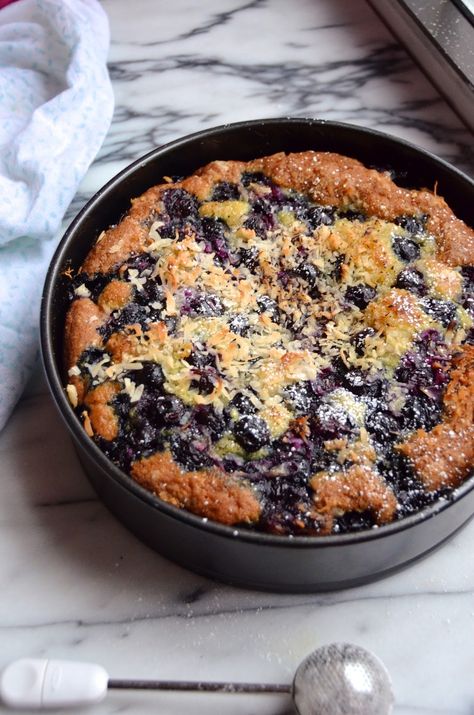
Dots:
pixel 336 679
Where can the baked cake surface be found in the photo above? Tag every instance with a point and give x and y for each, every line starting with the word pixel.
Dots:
pixel 285 344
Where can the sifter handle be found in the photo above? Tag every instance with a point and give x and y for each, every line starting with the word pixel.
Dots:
pixel 41 683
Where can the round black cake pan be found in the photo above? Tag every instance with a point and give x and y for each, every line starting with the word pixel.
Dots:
pixel 239 556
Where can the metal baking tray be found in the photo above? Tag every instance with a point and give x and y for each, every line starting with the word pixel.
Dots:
pixel 440 37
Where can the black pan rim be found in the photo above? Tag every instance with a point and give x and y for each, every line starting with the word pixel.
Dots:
pixel 53 376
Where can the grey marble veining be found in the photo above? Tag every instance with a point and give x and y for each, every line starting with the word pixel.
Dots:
pixel 73 582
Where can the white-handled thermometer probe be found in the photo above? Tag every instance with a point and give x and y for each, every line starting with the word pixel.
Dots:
pixel 338 679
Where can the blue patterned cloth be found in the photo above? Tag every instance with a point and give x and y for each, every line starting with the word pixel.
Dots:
pixel 56 105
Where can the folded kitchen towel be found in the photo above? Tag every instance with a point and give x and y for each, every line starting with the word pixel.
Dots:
pixel 56 106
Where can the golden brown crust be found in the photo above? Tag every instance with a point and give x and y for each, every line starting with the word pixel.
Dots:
pixel 115 295
pixel 357 489
pixel 459 396
pixel 102 416
pixel 121 344
pixel 82 321
pixel 397 307
pixel 446 282
pixel 208 493
pixel 444 456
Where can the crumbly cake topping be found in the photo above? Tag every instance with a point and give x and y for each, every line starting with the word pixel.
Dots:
pixel 283 343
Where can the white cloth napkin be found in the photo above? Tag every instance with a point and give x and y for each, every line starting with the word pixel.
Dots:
pixel 56 105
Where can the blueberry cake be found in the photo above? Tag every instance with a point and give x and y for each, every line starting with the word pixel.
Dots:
pixel 285 344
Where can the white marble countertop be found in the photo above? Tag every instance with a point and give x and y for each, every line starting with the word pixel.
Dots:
pixel 73 582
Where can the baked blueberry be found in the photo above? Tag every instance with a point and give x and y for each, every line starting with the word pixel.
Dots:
pixel 426 365
pixel 332 422
pixel 284 495
pixel 420 411
pixel 213 233
pixel 203 304
pixel 190 449
pixel 351 215
pixel 239 324
pixel 412 280
pixel 132 313
pixel 382 424
pixel 405 248
pixel 261 219
pixel 320 216
pixel 413 224
pixel 360 295
pixel 180 204
pixel 444 311
pixel 141 262
pixel 269 306
pixel 356 381
pixel 119 451
pixel 301 397
pixel 212 421
pixel 151 375
pixel 308 273
pixel 151 295
pixel 358 340
pixel 326 381
pixel 252 433
pixel 225 191
pixel 145 437
pixel 205 380
pixel 248 257
pixel 243 404
pixel 201 358
pixel 167 410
